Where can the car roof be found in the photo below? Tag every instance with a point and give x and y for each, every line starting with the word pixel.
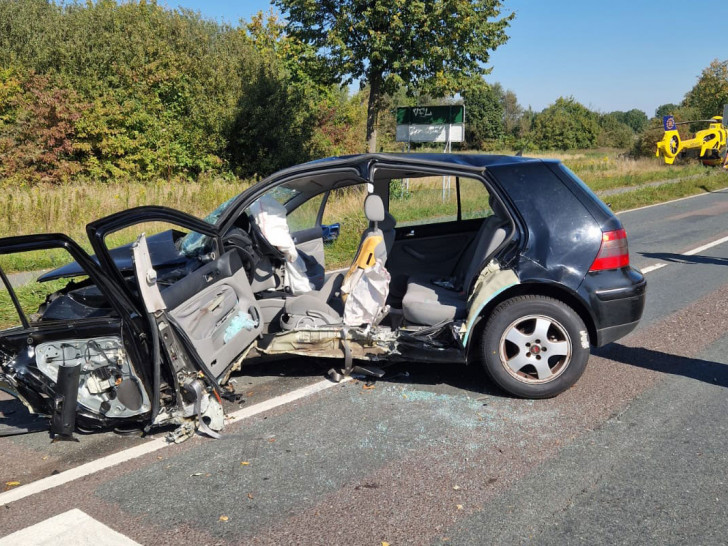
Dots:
pixel 459 160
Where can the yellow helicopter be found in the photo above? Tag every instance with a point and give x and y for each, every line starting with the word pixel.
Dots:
pixel 708 145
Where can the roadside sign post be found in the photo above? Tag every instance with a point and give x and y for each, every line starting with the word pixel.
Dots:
pixel 432 124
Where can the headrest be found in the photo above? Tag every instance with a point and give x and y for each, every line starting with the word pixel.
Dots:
pixel 374 208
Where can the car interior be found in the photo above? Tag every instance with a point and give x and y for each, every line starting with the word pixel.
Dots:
pixel 436 233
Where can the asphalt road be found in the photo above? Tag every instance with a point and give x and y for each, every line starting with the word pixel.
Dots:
pixel 635 453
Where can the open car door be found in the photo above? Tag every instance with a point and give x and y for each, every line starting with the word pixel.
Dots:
pixel 205 295
pixel 68 352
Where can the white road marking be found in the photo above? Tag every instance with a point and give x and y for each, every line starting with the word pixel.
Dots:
pixel 706 246
pixel 72 527
pixel 149 447
pixel 132 453
pixel 652 268
pixel 693 252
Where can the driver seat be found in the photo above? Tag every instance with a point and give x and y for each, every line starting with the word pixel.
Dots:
pixel 327 306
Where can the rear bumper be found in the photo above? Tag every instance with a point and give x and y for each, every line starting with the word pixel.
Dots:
pixel 617 300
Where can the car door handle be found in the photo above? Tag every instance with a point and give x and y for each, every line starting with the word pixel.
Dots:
pixel 410 233
pixel 217 302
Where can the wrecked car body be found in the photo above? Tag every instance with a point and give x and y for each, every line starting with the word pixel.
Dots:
pixel 508 261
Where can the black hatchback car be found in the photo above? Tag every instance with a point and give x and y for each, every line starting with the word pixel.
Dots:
pixel 508 261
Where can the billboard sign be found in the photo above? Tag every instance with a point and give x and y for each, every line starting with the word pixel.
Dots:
pixel 431 123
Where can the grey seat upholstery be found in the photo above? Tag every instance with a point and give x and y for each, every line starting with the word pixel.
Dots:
pixel 429 303
pixel 327 301
pixel 386 229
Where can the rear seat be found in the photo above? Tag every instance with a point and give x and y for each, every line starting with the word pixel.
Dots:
pixel 428 302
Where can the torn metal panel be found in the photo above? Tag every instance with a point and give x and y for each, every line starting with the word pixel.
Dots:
pixel 492 281
pixel 327 343
pixel 439 343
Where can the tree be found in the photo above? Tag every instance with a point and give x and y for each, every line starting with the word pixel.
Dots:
pixel 512 112
pixel 285 116
pixel 435 47
pixel 711 92
pixel 635 119
pixel 566 125
pixel 613 132
pixel 484 113
pixel 666 110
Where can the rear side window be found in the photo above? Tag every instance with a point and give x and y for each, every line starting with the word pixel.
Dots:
pixel 437 199
pixel 474 199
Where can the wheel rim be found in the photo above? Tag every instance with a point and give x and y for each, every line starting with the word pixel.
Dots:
pixel 535 349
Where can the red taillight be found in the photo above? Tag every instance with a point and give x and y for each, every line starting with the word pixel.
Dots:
pixel 613 253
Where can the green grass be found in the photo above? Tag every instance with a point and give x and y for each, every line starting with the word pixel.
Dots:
pixel 667 192
pixel 67 209
pixel 30 296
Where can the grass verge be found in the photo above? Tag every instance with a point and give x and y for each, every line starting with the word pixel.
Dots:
pixel 667 192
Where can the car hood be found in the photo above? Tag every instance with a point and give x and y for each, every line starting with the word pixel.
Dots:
pixel 162 250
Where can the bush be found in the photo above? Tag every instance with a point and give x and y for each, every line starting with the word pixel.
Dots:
pixel 565 125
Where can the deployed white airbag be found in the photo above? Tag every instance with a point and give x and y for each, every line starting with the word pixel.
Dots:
pixel 367 291
pixel 270 216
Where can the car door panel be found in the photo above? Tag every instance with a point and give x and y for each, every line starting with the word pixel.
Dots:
pixel 213 305
pixel 421 249
pixel 41 343
pixel 220 314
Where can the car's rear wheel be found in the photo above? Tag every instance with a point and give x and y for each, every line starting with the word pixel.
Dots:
pixel 535 346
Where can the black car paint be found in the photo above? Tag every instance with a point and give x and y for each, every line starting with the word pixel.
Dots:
pixel 559 225
pixel 556 235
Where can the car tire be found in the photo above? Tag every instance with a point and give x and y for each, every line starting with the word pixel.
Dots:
pixel 534 346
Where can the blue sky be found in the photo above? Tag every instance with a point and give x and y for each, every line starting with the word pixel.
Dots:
pixel 614 55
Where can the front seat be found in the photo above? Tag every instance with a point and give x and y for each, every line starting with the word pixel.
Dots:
pixel 327 304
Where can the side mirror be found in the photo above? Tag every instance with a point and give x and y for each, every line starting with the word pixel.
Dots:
pixel 330 232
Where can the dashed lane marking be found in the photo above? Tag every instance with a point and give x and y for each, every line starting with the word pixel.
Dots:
pixel 651 268
pixel 693 252
pixel 704 247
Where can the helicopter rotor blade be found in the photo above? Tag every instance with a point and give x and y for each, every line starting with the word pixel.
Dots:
pixel 696 121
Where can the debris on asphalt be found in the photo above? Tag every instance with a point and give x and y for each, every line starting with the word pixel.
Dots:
pixel 223 518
